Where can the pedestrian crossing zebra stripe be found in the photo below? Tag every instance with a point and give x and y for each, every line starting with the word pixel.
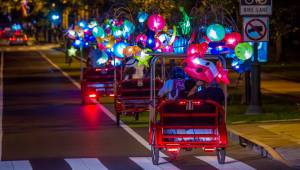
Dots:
pixel 230 164
pixel 15 165
pixel 140 162
pixel 85 164
pixel 146 163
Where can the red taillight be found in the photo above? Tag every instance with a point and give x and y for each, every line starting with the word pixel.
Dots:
pixel 12 39
pixel 173 149
pixel 111 95
pixel 209 149
pixel 182 102
pixel 92 95
pixel 197 102
pixel 98 69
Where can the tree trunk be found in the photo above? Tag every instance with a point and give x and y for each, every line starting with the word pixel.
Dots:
pixel 278 45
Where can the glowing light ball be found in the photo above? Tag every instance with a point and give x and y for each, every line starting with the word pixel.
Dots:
pixel 130 51
pixel 164 39
pixel 193 49
pixel 128 28
pixel 82 24
pixel 142 17
pixel 243 51
pixel 180 45
pixel 156 22
pixel 118 49
pixel 117 32
pixel 77 43
pixel 215 32
pixel 102 59
pixel 232 39
pixel 98 32
pixel 150 43
pixel 141 38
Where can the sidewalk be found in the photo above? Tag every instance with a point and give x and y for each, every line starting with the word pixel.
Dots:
pixel 280 139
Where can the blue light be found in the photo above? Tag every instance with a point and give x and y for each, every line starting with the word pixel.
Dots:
pixel 55 17
pixel 82 24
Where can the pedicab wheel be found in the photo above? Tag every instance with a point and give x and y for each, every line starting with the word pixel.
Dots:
pixel 118 118
pixel 154 150
pixel 136 115
pixel 221 154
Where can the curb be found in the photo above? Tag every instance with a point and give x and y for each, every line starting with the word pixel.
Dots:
pixel 264 149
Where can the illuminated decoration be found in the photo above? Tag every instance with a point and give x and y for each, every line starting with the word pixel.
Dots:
pixel 164 39
pixel 92 24
pixel 128 28
pixel 16 27
pixel 168 49
pixel 141 38
pixel 98 32
pixel 241 66
pixel 116 62
pixel 142 17
pixel 157 44
pixel 102 59
pixel 200 69
pixel 72 51
pixel 197 49
pixel 143 57
pixel 185 24
pixel 82 24
pixel 117 32
pixel 219 50
pixel 118 49
pixel 156 22
pixel 232 39
pixel 24 8
pixel 77 43
pixel 173 36
pixel 180 45
pixel 243 51
pixel 80 33
pixel 222 75
pixel 262 51
pixel 150 43
pixel 215 32
pixel 130 51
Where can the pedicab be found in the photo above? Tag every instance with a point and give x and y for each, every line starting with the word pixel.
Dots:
pixel 132 96
pixel 197 123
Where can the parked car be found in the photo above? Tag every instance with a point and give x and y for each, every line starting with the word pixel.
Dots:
pixel 18 39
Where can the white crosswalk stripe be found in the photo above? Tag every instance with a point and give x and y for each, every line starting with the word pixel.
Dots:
pixel 230 164
pixel 85 164
pixel 146 163
pixel 15 165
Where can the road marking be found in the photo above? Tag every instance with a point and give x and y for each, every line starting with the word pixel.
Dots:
pixel 135 135
pixel 15 165
pixel 230 164
pixel 1 101
pixel 146 163
pixel 85 164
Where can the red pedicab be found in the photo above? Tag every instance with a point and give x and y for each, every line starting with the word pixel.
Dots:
pixel 132 97
pixel 97 82
pixel 205 118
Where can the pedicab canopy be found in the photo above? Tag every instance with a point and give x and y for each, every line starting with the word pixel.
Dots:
pixel 115 39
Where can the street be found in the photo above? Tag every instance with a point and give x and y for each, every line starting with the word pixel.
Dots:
pixel 45 126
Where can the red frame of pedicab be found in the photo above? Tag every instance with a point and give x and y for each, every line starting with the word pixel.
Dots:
pixel 155 128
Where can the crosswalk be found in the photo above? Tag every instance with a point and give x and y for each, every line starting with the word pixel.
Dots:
pixel 96 164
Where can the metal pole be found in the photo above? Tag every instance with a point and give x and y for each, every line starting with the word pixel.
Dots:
pixel 81 64
pixel 255 102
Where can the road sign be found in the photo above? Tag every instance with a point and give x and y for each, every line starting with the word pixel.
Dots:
pixel 256 7
pixel 256 29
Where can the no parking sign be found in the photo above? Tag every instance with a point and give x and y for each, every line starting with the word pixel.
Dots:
pixel 256 29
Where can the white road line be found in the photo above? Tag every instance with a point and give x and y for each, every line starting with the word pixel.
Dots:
pixel 146 163
pixel 1 101
pixel 85 164
pixel 230 164
pixel 135 135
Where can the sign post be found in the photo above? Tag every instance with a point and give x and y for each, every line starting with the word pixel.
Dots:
pixel 255 29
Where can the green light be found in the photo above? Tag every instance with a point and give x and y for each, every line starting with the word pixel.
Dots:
pixel 243 51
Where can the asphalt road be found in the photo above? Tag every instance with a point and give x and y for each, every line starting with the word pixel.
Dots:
pixel 45 127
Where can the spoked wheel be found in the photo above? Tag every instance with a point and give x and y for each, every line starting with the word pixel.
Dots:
pixel 136 115
pixel 221 154
pixel 154 150
pixel 118 118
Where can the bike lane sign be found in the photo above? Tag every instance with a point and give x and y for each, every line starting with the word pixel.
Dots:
pixel 256 29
